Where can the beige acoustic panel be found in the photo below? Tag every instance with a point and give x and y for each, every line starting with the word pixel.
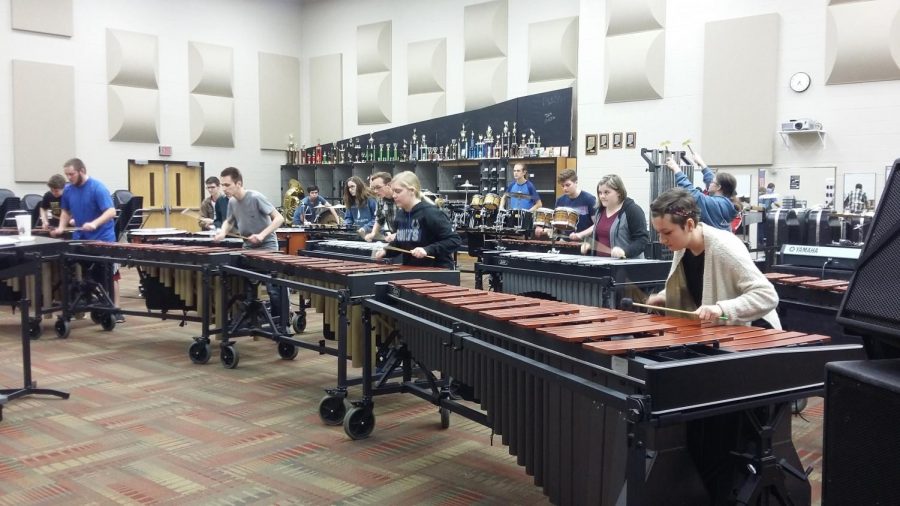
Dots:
pixel 553 84
pixel 424 106
pixel 212 121
pixel 210 69
pixel 43 119
pixel 862 42
pixel 326 98
pixel 53 17
pixel 486 30
pixel 373 98
pixel 279 100
pixel 485 82
pixel 740 74
pixel 133 114
pixel 132 59
pixel 373 48
pixel 426 63
pixel 629 16
pixel 553 50
pixel 635 66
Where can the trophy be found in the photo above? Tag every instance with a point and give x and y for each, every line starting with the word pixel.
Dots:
pixel 424 147
pixel 380 153
pixel 414 147
pixel 504 141
pixel 396 156
pixel 463 150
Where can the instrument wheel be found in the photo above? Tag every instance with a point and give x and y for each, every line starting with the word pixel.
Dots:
pixel 359 422
pixel 62 328
pixel 287 351
pixel 298 322
pixel 108 321
pixel 230 357
pixel 96 316
pixel 199 352
pixel 332 410
pixel 798 405
pixel 34 329
pixel 445 417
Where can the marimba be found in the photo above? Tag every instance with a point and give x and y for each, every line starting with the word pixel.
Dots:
pixel 595 281
pixel 810 303
pixel 139 235
pixel 603 406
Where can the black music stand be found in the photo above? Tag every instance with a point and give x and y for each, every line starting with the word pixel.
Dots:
pixel 29 387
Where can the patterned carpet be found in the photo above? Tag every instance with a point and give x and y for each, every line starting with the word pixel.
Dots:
pixel 145 426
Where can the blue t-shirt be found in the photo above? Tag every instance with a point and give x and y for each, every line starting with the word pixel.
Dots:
pixel 584 203
pixel 527 188
pixel 86 203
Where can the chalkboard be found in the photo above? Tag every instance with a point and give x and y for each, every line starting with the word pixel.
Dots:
pixel 549 114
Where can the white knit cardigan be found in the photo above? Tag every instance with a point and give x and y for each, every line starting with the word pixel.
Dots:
pixel 730 279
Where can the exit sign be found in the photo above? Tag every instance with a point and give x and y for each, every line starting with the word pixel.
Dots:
pixel 165 151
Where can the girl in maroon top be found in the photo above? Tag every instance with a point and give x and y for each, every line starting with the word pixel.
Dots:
pixel 620 226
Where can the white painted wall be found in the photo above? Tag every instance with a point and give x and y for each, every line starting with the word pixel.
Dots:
pixel 246 26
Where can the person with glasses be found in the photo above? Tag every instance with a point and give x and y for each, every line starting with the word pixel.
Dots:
pixel 719 206
pixel 423 233
pixel 384 217
pixel 712 273
pixel 361 207
pixel 214 208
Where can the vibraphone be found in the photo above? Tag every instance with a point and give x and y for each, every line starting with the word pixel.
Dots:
pixel 319 232
pixel 173 278
pixel 140 235
pixel 360 251
pixel 335 289
pixel 199 240
pixel 608 407
pixel 595 281
pixel 542 246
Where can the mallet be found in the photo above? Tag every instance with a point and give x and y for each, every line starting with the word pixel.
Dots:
pixel 627 304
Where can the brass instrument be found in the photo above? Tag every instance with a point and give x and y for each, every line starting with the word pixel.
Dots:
pixel 292 197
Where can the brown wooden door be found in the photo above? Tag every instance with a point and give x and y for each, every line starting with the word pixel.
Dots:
pixel 168 187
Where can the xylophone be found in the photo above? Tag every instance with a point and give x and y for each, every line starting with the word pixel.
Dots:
pixel 338 286
pixel 595 281
pixel 360 251
pixel 204 240
pixel 607 407
pixel 139 235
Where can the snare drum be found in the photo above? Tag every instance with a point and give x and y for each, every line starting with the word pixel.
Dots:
pixel 477 201
pixel 543 217
pixel 565 218
pixel 491 201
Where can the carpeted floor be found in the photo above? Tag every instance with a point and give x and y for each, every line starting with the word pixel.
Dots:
pixel 145 426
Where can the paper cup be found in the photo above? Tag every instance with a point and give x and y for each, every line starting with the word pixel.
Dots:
pixel 23 223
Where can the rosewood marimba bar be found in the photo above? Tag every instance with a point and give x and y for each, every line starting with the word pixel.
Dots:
pixel 594 401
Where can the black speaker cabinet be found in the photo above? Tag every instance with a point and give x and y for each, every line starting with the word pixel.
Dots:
pixel 861 438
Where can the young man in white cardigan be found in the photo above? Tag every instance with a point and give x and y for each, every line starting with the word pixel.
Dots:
pixel 712 273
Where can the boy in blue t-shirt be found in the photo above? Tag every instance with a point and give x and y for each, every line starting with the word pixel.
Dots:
pixel 513 198
pixel 582 202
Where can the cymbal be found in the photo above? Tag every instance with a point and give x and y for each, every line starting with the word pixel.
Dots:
pixel 467 185
pixel 323 206
pixel 339 206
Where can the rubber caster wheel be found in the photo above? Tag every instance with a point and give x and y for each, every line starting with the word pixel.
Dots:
pixel 332 410
pixel 34 329
pixel 798 405
pixel 230 357
pixel 287 351
pixel 359 423
pixel 298 323
pixel 199 352
pixel 62 328
pixel 96 316
pixel 445 417
pixel 108 321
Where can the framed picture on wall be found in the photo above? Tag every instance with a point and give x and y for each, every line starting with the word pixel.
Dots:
pixel 617 140
pixel 590 144
pixel 604 141
pixel 630 140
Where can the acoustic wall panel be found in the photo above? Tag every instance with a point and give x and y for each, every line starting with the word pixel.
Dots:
pixel 132 59
pixel 635 66
pixel 486 30
pixel 424 106
pixel 53 17
pixel 210 69
pixel 133 114
pixel 43 119
pixel 629 16
pixel 553 50
pixel 212 121
pixel 373 73
pixel 862 42
pixel 740 60
pixel 279 100
pixel 326 102
pixel 426 80
pixel 486 42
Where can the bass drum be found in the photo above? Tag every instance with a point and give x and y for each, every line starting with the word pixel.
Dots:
pixel 325 218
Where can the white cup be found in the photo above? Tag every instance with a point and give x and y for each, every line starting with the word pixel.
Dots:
pixel 23 223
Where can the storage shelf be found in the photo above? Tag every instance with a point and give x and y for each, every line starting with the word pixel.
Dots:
pixel 787 134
